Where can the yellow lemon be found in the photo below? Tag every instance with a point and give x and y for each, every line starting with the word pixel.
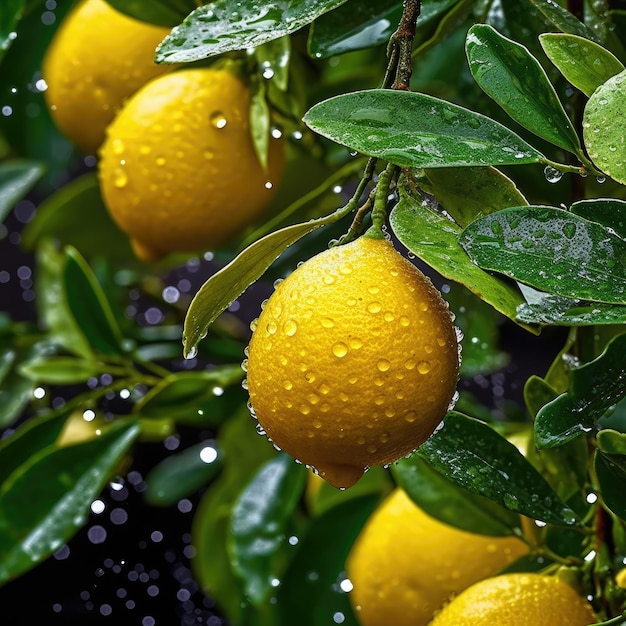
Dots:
pixel 406 564
pixel 178 169
pixel 517 600
pixel 354 360
pixel 97 59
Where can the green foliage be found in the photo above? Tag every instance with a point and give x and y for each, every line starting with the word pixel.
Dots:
pixel 507 162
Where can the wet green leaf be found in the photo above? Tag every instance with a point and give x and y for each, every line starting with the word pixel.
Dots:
pixel 273 59
pixel 160 12
pixel 89 305
pixel 594 387
pixel 182 395
pixel 416 130
pixel 492 467
pixel 9 19
pixel 611 472
pixel 16 179
pixel 551 310
pixel 612 442
pixel 260 122
pixel 181 474
pixel 433 238
pixel 468 193
pixel 454 505
pixel 217 27
pixel 219 291
pixel 316 569
pixel 537 393
pixel 449 17
pixel 552 250
pixel 603 129
pixel 565 21
pixel 355 25
pixel 258 522
pixel 46 500
pixel 60 370
pixel 584 63
pixel 608 212
pixel 510 75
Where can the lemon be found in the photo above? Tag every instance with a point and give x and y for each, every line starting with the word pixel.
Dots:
pixel 406 564
pixel 97 58
pixel 178 169
pixel 517 600
pixel 354 360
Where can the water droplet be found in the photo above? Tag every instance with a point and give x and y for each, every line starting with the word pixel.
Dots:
pixel 271 328
pixel 340 349
pixel 120 179
pixel 405 321
pixel 327 322
pixel 410 364
pixel 355 343
pixel 288 385
pixel 290 328
pixel 317 424
pixel 410 417
pixel 423 367
pixel 217 119
pixel 383 365
pixel 160 161
pixel 117 146
pixel 552 174
pixel 260 430
pixel 192 353
pixel 305 410
pixel 374 307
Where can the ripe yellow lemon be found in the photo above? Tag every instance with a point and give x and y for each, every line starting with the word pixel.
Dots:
pixel 354 360
pixel 517 600
pixel 406 564
pixel 178 169
pixel 97 59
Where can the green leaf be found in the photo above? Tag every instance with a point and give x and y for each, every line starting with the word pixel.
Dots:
pixel 89 305
pixel 16 180
pixel 316 569
pixel 492 467
pixel 468 193
pixel 59 370
pixel 258 522
pixel 216 28
pixel 9 18
pixel 219 291
pixel 446 501
pixel 594 387
pixel 611 473
pixel 433 238
pixel 584 63
pixel 273 59
pixel 552 250
pixel 260 122
pixel 47 499
pixel 159 12
pixel 563 19
pixel 537 393
pixel 611 213
pixel 182 474
pixel 512 77
pixel 183 394
pixel 355 25
pixel 611 441
pixel 603 127
pixel 416 130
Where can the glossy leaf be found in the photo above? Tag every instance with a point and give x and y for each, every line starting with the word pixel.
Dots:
pixel 552 250
pixel 416 130
pixel 611 473
pixel 492 467
pixel 603 129
pixel 537 393
pixel 434 32
pixel 468 193
pixel 219 291
pixel 611 441
pixel 451 504
pixel 60 370
pixel 160 12
pixel 273 59
pixel 584 63
pixel 258 522
pixel 46 500
pixel 181 474
pixel 317 567
pixel 355 25
pixel 215 28
pixel 558 311
pixel 594 388
pixel 608 212
pixel 89 305
pixel 16 179
pixel 510 75
pixel 563 20
pixel 9 18
pixel 433 238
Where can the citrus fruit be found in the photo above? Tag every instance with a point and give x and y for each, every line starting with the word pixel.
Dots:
pixel 97 58
pixel 517 600
pixel 406 564
pixel 178 169
pixel 354 360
